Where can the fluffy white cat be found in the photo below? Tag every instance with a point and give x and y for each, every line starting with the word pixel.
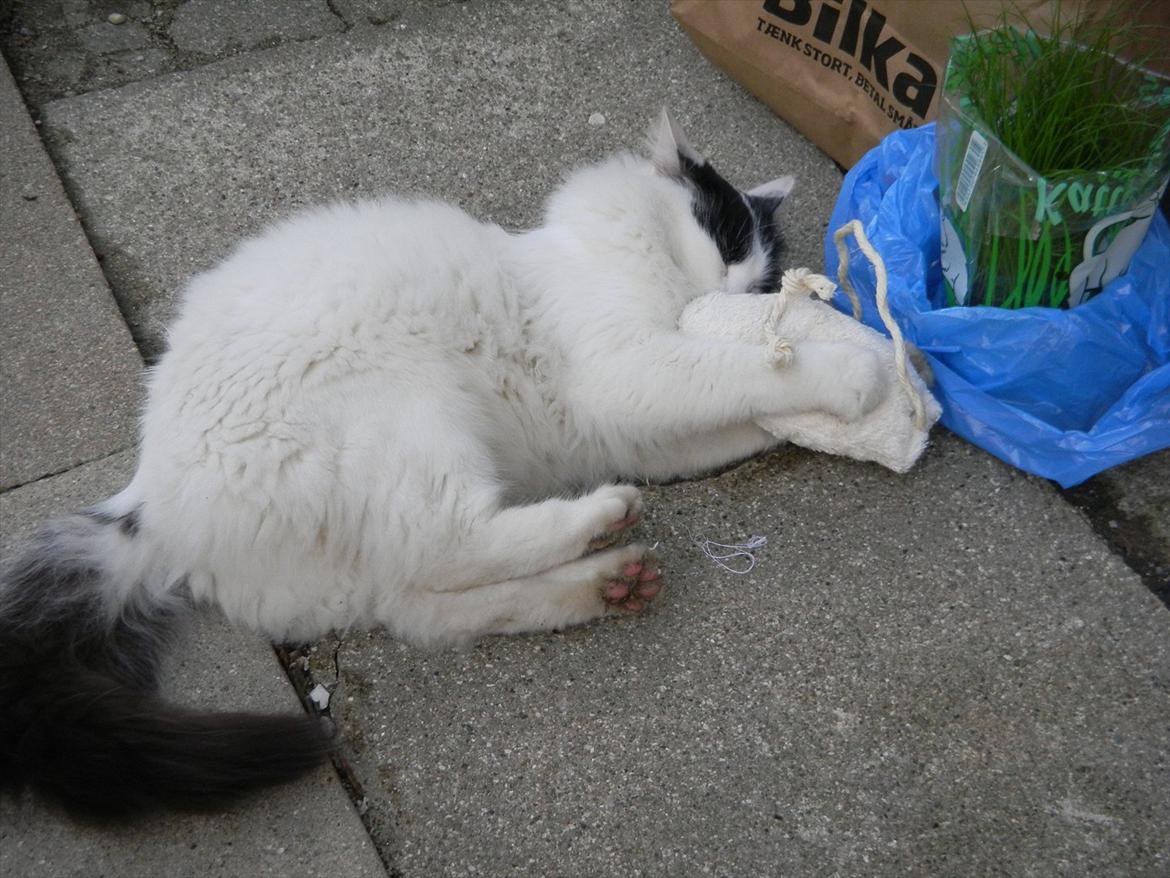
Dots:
pixel 391 414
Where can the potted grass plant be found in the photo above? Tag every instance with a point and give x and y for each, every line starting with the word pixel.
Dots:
pixel 1052 152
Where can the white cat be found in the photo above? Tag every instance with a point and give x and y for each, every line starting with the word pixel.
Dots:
pixel 391 414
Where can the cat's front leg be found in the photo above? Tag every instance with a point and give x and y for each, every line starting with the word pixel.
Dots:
pixel 673 384
pixel 842 380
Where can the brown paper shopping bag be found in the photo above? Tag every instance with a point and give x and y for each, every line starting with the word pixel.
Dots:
pixel 847 72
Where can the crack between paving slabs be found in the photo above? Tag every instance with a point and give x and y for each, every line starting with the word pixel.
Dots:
pixel 70 468
pixel 1130 537
pixel 331 5
pixel 294 658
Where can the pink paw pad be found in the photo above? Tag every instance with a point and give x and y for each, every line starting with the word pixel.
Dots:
pixel 628 521
pixel 648 592
pixel 609 536
pixel 616 592
pixel 639 585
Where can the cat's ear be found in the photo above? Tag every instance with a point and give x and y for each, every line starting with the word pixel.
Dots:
pixel 777 189
pixel 770 196
pixel 669 146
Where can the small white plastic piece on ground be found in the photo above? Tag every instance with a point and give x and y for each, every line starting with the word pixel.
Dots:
pixel 320 697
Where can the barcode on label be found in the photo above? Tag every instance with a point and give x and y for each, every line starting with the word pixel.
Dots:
pixel 972 164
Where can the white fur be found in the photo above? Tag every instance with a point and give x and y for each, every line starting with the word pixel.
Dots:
pixel 780 188
pixel 888 434
pixel 388 413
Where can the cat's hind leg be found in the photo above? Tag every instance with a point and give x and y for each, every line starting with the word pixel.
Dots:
pixel 512 542
pixel 626 578
pixel 444 558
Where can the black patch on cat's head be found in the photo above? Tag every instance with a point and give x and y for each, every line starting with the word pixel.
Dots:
pixel 721 210
pixel 764 210
pixel 734 219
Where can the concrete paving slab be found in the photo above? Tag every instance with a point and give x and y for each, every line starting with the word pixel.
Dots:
pixel 449 100
pixel 359 13
pixel 70 46
pixel 1143 489
pixel 306 828
pixel 1129 507
pixel 104 37
pixel 69 371
pixel 215 27
pixel 944 673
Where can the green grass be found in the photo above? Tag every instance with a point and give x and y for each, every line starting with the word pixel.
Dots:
pixel 1063 102
pixel 1071 113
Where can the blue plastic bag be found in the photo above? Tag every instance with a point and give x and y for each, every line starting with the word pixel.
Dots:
pixel 1061 394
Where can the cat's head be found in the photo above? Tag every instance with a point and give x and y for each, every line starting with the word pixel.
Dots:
pixel 741 224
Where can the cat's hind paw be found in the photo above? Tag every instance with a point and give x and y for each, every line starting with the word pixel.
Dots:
pixel 619 507
pixel 639 584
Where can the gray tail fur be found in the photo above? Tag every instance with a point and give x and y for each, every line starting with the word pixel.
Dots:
pixel 80 723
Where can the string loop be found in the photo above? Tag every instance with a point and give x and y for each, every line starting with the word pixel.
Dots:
pixel 732 551
pixel 801 281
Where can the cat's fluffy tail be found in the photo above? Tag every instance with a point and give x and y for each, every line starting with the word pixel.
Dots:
pixel 83 621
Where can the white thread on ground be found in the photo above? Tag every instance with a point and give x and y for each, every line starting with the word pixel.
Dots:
pixel 733 551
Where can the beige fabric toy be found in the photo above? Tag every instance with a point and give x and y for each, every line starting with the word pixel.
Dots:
pixel 895 433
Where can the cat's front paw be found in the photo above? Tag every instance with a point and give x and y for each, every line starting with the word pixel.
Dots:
pixel 856 386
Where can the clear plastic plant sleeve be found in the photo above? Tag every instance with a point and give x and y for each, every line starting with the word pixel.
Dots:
pixel 1013 238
